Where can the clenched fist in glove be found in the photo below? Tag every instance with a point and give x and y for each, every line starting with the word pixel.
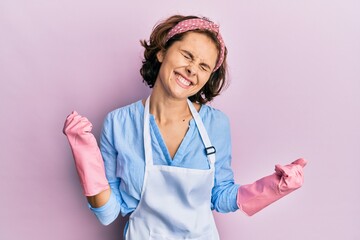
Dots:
pixel 88 161
pixel 253 197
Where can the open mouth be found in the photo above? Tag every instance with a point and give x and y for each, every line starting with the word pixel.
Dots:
pixel 182 81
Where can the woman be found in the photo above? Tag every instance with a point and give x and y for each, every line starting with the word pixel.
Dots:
pixel 166 160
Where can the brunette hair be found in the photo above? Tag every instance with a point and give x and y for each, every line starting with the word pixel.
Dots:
pixel 151 66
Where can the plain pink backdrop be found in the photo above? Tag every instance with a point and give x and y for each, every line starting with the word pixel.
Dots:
pixel 295 92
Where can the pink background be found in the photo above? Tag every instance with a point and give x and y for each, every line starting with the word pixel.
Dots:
pixel 295 92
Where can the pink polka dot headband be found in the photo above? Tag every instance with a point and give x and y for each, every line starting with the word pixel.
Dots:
pixel 202 24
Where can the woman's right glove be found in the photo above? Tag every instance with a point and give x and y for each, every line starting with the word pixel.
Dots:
pixel 88 160
pixel 252 198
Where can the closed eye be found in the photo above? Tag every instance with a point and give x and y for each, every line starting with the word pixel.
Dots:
pixel 187 56
pixel 205 67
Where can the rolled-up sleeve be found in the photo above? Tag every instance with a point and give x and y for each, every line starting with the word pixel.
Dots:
pixel 107 213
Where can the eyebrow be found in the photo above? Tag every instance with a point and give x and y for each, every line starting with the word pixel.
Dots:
pixel 192 56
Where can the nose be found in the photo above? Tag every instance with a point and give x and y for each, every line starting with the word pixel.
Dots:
pixel 190 69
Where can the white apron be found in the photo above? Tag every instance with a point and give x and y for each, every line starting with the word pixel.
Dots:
pixel 175 202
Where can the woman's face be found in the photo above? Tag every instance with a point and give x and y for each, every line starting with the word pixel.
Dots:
pixel 186 66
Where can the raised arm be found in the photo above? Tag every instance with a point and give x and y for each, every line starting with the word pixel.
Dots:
pixel 88 160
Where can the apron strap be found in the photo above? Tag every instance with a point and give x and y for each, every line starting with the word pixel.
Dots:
pixel 147 137
pixel 209 148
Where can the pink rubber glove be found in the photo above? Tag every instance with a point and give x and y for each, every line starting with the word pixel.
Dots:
pixel 88 161
pixel 254 197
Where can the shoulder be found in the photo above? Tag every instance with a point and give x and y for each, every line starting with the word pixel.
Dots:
pixel 133 108
pixel 215 121
pixel 126 113
pixel 213 116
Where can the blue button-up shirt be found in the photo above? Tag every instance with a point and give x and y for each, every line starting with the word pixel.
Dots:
pixel 122 148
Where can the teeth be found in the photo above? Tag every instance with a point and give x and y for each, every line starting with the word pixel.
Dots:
pixel 183 80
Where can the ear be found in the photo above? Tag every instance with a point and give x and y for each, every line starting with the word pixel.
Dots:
pixel 160 56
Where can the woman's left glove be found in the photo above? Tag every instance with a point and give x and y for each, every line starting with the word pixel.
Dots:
pixel 251 198
pixel 88 160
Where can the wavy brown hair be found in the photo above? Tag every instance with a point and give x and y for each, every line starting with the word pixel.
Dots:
pixel 151 66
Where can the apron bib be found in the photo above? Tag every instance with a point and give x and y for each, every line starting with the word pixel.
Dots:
pixel 175 202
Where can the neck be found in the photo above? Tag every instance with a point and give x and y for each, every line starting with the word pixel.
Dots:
pixel 168 110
